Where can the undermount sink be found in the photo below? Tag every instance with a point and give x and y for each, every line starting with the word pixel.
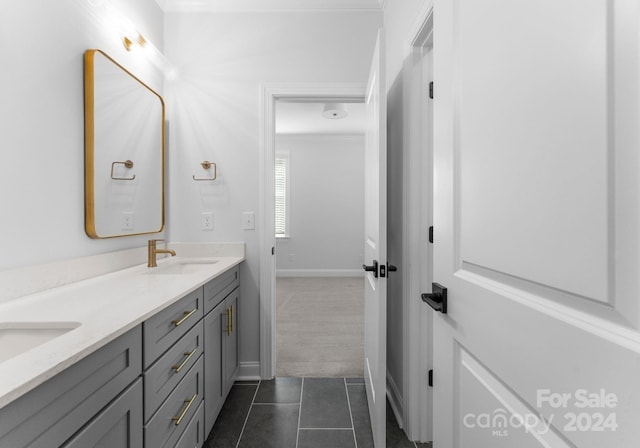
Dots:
pixel 19 337
pixel 182 267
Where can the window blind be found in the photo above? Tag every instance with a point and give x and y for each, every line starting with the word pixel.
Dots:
pixel 281 182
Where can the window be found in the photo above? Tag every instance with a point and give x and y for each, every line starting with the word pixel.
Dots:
pixel 282 195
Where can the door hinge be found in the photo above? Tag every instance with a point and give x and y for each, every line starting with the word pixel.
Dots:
pixel 431 378
pixel 431 234
pixel 431 90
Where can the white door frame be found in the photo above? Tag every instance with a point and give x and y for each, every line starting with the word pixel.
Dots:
pixel 418 216
pixel 269 94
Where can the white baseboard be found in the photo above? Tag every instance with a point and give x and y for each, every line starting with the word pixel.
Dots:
pixel 319 273
pixel 249 371
pixel 395 399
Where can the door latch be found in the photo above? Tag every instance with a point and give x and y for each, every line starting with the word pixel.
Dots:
pixel 437 299
pixel 372 268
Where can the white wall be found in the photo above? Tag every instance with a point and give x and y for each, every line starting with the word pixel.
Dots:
pixel 42 116
pixel 327 204
pixel 214 104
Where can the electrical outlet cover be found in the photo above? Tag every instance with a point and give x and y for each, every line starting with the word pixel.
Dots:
pixel 207 220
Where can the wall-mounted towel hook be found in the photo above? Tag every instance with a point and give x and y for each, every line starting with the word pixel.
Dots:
pixel 207 165
pixel 128 164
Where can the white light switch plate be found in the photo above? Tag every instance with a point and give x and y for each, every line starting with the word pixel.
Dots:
pixel 248 221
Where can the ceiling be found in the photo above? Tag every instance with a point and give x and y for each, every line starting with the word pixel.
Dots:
pixel 271 5
pixel 306 118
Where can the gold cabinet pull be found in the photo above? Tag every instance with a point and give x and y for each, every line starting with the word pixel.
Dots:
pixel 187 315
pixel 188 355
pixel 228 327
pixel 179 418
pixel 231 321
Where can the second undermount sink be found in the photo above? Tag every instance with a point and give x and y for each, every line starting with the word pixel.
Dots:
pixel 183 267
pixel 19 337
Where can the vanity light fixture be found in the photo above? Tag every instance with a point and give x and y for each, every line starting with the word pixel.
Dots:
pixel 129 43
pixel 112 19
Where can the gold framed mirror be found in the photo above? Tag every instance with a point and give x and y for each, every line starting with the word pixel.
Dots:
pixel 124 151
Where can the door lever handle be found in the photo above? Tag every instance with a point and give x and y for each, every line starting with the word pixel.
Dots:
pixel 373 268
pixel 436 299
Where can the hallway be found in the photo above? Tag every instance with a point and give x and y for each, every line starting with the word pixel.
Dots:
pixel 300 413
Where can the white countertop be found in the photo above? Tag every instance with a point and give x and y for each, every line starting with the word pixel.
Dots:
pixel 105 307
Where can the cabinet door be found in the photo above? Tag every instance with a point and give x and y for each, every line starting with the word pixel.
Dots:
pixel 119 425
pixel 214 328
pixel 231 362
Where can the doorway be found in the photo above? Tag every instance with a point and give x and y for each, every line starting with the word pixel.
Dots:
pixel 319 217
pixel 375 223
pixel 271 95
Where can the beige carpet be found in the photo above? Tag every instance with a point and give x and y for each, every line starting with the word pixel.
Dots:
pixel 320 327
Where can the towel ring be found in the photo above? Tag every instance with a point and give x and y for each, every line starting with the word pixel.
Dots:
pixel 207 165
pixel 128 164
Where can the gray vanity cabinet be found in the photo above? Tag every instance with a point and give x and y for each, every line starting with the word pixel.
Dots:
pixel 174 371
pixel 163 329
pixel 221 297
pixel 164 375
pixel 118 426
pixel 54 411
pixel 213 386
pixel 231 361
pixel 168 424
pixel 219 288
pixel 194 435
pixel 160 385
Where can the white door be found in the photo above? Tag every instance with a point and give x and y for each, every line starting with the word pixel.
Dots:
pixel 537 222
pixel 375 246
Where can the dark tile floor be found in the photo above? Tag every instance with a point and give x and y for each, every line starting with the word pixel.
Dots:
pixel 300 413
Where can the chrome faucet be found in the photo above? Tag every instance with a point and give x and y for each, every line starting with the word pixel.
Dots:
pixel 153 252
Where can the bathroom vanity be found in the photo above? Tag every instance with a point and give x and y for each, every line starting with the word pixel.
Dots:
pixel 143 357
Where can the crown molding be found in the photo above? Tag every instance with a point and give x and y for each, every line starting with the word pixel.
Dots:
pixel 271 5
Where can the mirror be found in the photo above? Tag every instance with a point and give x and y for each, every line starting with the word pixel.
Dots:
pixel 124 151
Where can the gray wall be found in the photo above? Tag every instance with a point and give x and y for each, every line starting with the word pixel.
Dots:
pixel 327 203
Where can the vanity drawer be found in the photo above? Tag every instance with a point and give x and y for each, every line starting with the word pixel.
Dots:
pixel 193 436
pixel 217 289
pixel 119 425
pixel 51 413
pixel 163 376
pixel 167 425
pixel 165 328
